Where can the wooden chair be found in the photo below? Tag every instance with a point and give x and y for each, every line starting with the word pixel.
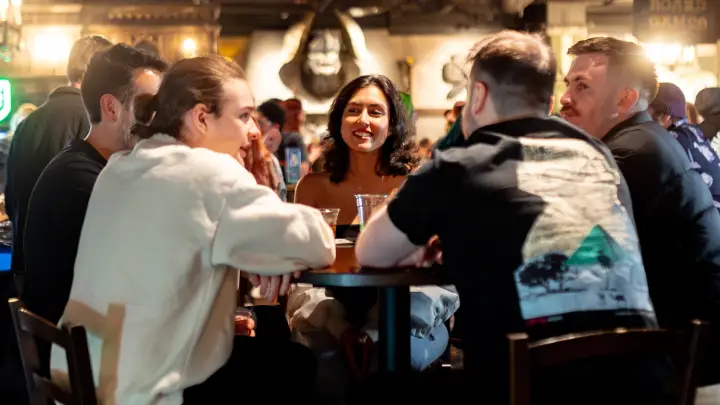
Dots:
pixel 684 346
pixel 73 339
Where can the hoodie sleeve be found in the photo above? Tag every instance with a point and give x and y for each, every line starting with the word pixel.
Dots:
pixel 260 234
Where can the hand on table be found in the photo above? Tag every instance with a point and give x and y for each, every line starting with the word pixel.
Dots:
pixel 426 256
pixel 432 253
pixel 357 347
pixel 272 286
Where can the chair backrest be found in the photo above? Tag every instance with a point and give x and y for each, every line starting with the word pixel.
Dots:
pixel 73 339
pixel 683 346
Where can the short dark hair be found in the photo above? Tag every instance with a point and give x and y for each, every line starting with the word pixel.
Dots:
pixel 626 58
pixel 148 46
pixel 519 70
pixel 397 156
pixel 82 51
pixel 112 72
pixel 273 112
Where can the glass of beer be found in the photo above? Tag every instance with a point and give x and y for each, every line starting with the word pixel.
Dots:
pixel 242 317
pixel 330 215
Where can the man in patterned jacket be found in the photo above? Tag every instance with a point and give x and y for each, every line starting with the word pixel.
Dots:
pixel 668 109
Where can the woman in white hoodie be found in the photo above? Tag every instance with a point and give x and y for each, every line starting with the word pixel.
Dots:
pixel 168 226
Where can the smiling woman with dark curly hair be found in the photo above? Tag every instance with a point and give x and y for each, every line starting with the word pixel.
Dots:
pixel 369 149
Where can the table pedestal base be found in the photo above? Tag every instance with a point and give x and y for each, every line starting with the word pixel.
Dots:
pixel 394 330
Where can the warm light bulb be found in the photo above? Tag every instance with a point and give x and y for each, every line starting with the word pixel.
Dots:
pixel 189 47
pixel 669 54
pixel 51 46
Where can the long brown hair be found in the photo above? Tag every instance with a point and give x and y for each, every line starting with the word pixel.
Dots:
pixel 187 83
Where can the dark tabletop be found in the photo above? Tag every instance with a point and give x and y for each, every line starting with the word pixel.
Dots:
pixel 345 272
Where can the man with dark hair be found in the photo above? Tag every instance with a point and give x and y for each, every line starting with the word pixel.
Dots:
pixel 610 86
pixel 526 211
pixel 56 210
pixel 271 114
pixel 37 140
pixel 271 119
pixel 57 207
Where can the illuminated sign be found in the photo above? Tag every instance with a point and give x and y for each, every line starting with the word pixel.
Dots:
pixel 676 21
pixel 5 99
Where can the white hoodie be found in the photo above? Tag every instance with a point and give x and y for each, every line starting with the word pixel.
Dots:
pixel 155 276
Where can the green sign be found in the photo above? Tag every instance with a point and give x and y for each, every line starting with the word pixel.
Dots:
pixel 5 99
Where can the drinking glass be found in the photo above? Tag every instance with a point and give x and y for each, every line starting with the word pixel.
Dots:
pixel 366 203
pixel 330 215
pixel 242 316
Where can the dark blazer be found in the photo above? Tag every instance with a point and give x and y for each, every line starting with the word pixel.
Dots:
pixel 678 226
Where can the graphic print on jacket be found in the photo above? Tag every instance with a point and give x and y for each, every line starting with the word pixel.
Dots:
pixel 582 252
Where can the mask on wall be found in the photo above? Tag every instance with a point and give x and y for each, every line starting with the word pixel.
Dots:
pixel 453 73
pixel 321 62
pixel 322 73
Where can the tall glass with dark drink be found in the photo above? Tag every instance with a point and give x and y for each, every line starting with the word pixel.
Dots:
pixel 330 215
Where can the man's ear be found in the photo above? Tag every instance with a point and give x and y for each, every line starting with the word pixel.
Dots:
pixel 629 97
pixel 479 97
pixel 109 107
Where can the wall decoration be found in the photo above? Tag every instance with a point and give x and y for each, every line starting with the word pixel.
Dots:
pixel 453 73
pixel 321 62
pixel 405 68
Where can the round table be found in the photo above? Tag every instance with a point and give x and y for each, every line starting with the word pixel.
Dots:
pixel 394 299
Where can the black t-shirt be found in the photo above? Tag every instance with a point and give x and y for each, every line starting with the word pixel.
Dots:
pixel 52 232
pixel 537 233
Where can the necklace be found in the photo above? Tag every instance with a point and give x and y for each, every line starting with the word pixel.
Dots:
pixel 359 186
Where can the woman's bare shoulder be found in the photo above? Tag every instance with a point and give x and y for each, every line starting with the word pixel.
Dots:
pixel 321 179
pixel 310 186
